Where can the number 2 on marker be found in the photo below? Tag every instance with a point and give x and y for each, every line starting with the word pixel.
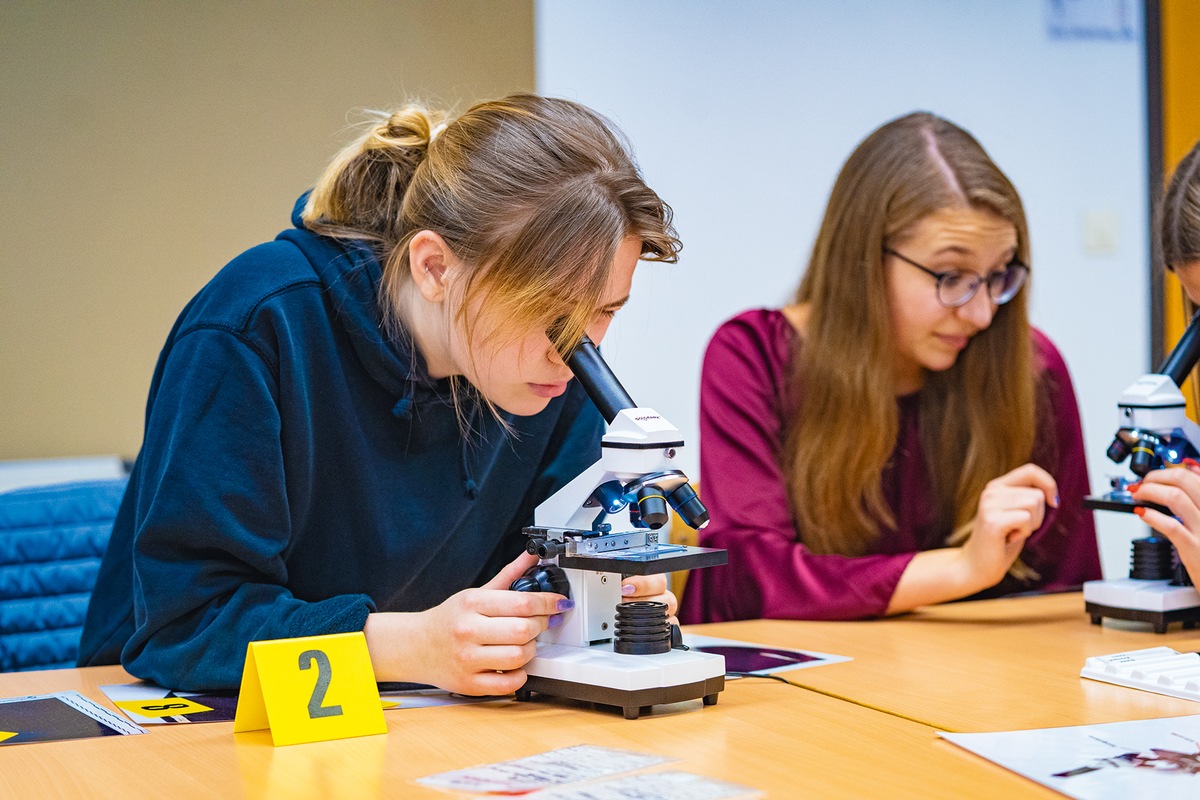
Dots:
pixel 324 676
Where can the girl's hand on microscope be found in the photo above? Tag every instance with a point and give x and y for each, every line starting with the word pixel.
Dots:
pixel 649 587
pixel 1179 490
pixel 475 643
pixel 1010 509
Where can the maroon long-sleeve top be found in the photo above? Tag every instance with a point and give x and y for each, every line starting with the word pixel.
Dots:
pixel 771 574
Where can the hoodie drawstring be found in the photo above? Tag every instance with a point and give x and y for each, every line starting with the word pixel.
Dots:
pixel 470 487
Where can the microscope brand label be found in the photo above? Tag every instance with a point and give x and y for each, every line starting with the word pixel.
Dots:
pixel 310 689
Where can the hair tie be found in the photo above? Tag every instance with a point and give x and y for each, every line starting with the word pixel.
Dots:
pixel 436 131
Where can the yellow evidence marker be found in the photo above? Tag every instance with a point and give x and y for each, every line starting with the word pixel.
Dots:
pixel 162 707
pixel 310 689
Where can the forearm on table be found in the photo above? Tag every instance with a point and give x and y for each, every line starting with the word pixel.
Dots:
pixel 932 576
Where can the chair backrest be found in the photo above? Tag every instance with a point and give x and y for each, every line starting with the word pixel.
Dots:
pixel 52 539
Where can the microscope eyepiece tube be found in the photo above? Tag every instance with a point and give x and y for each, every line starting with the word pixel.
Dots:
pixel 598 380
pixel 1187 351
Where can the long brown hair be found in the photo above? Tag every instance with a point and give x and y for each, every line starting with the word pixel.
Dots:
pixel 1179 234
pixel 1179 215
pixel 976 418
pixel 532 194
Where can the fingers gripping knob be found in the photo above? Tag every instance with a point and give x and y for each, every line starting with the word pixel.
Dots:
pixel 543 578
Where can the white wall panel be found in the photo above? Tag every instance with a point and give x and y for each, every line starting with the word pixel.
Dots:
pixel 741 114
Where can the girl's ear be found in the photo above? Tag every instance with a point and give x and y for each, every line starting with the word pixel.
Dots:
pixel 429 260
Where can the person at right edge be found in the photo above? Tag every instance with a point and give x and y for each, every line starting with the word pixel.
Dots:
pixel 899 435
pixel 1179 489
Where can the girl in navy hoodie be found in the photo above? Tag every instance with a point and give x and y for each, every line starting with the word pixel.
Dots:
pixel 348 426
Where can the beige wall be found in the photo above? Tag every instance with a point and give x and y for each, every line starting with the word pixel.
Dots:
pixel 144 144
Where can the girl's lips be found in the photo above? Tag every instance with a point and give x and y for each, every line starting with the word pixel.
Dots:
pixel 548 389
pixel 957 342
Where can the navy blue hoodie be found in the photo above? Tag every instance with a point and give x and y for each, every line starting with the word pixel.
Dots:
pixel 300 469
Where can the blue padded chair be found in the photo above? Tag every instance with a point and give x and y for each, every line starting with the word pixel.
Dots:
pixel 51 541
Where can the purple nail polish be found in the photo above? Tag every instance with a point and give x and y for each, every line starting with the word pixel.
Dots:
pixel 555 621
pixel 566 604
pixel 627 588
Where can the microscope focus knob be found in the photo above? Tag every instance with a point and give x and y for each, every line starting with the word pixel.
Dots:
pixel 543 578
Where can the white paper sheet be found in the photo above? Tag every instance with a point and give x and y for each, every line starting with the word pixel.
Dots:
pixel 1157 758
pixel 652 786
pixel 544 770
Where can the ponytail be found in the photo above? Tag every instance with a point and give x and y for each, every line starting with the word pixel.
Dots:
pixel 361 192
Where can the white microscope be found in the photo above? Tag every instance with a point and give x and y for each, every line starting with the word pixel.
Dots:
pixel 604 525
pixel 1154 433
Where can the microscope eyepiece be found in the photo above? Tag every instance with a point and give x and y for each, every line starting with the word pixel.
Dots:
pixel 598 380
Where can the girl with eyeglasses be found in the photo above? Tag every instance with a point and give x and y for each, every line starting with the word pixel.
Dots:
pixel 899 435
pixel 1179 489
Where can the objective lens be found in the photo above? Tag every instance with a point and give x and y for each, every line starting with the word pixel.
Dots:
pixel 1119 450
pixel 1142 461
pixel 687 504
pixel 652 506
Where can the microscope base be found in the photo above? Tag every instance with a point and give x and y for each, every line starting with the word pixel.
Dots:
pixel 633 683
pixel 1156 602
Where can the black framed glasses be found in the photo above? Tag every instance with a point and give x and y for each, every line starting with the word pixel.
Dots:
pixel 956 287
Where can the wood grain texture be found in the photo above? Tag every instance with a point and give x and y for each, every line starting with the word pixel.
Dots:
pixel 787 741
pixel 980 666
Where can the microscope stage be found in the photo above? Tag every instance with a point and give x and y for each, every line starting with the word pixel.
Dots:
pixel 648 560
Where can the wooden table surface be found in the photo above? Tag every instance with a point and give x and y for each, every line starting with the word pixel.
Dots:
pixel 988 665
pixel 787 741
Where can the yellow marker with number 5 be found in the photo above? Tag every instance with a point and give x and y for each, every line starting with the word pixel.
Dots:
pixel 310 689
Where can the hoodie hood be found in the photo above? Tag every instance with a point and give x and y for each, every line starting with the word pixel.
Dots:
pixel 352 275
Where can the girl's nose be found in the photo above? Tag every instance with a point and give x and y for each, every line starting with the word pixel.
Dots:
pixel 980 309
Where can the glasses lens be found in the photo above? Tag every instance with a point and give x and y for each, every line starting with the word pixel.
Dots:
pixel 957 288
pixel 1003 286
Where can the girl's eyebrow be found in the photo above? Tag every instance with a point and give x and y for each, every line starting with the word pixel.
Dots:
pixel 966 251
pixel 954 248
